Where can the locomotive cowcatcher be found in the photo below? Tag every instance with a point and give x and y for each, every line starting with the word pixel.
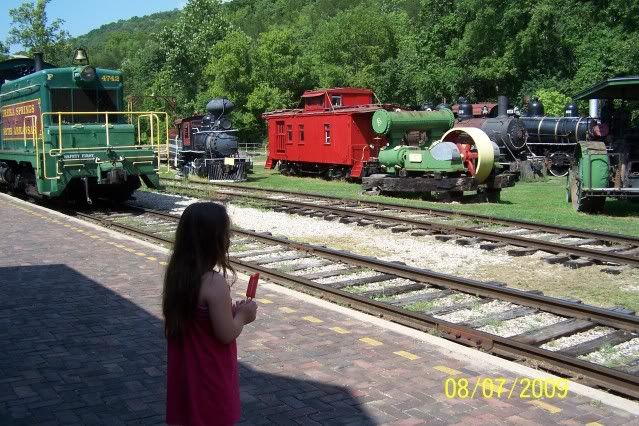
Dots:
pixel 330 135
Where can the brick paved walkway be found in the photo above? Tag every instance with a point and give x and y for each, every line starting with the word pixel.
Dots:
pixel 81 338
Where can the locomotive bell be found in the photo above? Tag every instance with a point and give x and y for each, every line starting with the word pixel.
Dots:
pixel 80 56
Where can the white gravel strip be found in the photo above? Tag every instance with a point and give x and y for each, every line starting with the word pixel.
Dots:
pixel 340 278
pixel 517 326
pixel 327 268
pixel 481 311
pixel 575 339
pixel 396 282
pixel 616 355
pixel 275 256
pixel 423 252
pixel 174 204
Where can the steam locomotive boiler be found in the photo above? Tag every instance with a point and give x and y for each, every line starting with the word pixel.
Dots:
pixel 208 145
pixel 557 137
pixel 507 131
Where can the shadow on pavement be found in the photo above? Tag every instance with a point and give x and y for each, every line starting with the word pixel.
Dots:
pixel 75 352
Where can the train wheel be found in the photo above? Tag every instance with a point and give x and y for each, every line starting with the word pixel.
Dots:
pixel 583 203
pixel 559 164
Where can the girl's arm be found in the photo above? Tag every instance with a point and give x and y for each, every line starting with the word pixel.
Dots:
pixel 217 294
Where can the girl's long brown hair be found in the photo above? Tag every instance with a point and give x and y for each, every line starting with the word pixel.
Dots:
pixel 201 244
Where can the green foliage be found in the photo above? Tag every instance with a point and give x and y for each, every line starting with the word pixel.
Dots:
pixel 554 101
pixel 262 54
pixel 31 28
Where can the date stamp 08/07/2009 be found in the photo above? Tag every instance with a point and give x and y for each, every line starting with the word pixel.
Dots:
pixel 500 387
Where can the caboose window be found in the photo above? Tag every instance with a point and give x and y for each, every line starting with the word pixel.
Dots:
pixel 289 133
pixel 84 100
pixel 336 100
pixel 327 134
pixel 301 128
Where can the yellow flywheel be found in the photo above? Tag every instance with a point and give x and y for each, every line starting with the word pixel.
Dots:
pixel 483 144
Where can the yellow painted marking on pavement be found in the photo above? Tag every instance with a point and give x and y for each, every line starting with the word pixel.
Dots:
pixel 552 409
pixel 407 355
pixel 594 424
pixel 94 236
pixel 264 301
pixel 130 250
pixel 240 293
pixel 163 263
pixel 447 370
pixel 312 319
pixel 370 341
pixel 139 253
pixel 119 245
pixel 287 310
pixel 340 330
pixel 152 258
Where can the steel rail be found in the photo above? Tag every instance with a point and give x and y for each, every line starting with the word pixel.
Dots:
pixel 558 229
pixel 550 304
pixel 516 240
pixel 617 381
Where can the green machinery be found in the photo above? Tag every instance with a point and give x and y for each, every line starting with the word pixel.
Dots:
pixel 609 168
pixel 426 154
pixel 65 132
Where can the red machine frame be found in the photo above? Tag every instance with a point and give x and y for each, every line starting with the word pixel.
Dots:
pixel 331 134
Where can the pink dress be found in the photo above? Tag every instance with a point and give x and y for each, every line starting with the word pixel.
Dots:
pixel 203 385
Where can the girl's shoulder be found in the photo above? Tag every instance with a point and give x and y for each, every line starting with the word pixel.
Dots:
pixel 214 283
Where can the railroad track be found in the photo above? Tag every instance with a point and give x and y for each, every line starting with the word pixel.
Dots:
pixel 571 247
pixel 462 310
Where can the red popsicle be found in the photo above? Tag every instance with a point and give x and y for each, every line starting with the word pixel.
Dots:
pixel 252 285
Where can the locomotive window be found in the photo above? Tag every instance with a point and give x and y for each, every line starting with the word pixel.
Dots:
pixel 327 134
pixel 289 132
pixel 336 100
pixel 301 128
pixel 84 100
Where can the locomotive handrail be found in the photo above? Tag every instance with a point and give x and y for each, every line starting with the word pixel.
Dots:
pixel 155 144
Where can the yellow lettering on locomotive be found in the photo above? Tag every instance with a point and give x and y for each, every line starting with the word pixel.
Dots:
pixel 110 78
pixel 7 131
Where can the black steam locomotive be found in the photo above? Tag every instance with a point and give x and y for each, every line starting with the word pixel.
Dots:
pixel 532 137
pixel 207 145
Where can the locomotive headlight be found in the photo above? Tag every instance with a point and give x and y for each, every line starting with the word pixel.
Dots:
pixel 85 74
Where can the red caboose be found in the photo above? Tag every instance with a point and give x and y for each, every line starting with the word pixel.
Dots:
pixel 331 135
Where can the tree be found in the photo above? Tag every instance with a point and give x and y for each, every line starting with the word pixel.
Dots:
pixel 3 51
pixel 31 28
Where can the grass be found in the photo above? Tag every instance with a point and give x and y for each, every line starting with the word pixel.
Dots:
pixel 540 201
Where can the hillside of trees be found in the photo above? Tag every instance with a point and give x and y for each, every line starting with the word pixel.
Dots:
pixel 263 53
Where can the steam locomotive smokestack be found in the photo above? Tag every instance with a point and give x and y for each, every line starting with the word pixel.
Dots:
pixel 502 106
pixel 593 108
pixel 38 62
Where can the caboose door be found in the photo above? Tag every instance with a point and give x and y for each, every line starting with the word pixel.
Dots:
pixel 280 143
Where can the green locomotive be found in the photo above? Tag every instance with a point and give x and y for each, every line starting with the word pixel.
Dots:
pixel 65 132
pixel 608 168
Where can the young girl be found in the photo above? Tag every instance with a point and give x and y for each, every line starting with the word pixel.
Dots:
pixel 201 324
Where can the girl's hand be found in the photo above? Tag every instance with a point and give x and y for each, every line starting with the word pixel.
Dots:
pixel 236 305
pixel 247 309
